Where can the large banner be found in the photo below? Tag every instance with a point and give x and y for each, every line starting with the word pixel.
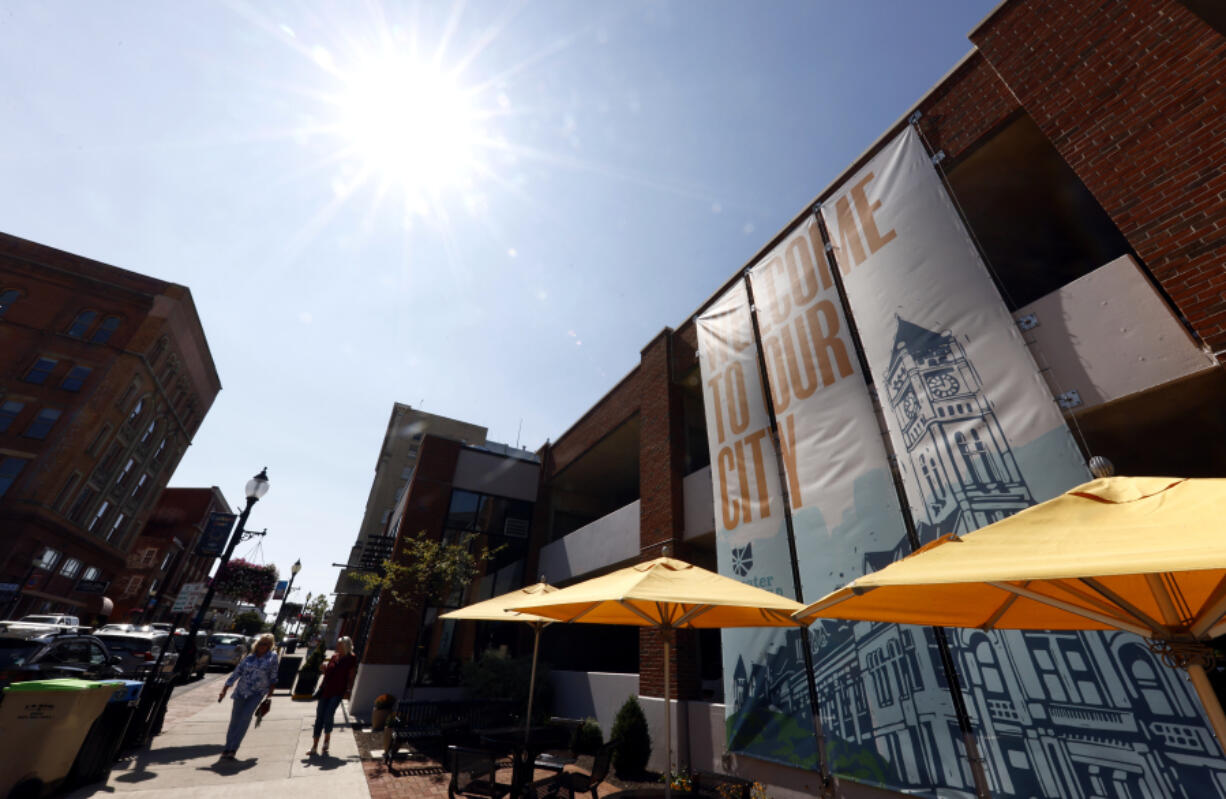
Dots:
pixel 750 532
pixel 978 437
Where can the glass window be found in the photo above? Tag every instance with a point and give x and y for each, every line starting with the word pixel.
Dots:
pixel 91 573
pixel 7 298
pixel 127 469
pixel 71 567
pixel 81 325
pixel 47 558
pixel 42 424
pixel 9 469
pixel 62 497
pixel 148 432
pixel 75 378
pixel 95 522
pixel 157 351
pixel 161 450
pixel 105 330
pixel 8 412
pixel 139 488
pixel 82 502
pixel 39 371
pixel 137 409
pixel 116 527
pixel 166 561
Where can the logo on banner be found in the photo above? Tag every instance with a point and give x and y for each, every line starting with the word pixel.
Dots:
pixel 742 560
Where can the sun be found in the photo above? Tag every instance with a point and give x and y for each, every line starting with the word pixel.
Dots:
pixel 410 126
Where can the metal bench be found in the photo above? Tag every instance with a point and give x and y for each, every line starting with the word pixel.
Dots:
pixel 444 722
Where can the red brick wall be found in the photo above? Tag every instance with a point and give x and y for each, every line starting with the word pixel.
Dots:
pixel 617 406
pixel 965 107
pixel 1132 94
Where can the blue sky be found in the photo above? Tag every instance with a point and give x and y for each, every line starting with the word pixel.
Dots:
pixel 550 184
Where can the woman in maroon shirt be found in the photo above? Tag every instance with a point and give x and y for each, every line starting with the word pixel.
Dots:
pixel 338 679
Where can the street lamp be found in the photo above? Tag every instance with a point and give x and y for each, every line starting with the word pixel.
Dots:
pixel 293 572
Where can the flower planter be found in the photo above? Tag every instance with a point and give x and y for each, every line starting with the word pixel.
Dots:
pixel 304 688
pixel 379 717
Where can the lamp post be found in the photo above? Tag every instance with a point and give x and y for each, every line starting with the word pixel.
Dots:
pixel 256 488
pixel 293 572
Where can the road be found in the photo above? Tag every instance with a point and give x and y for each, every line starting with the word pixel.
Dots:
pixel 211 678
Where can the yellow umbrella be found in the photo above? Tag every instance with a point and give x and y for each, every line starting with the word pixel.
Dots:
pixel 499 609
pixel 666 594
pixel 1146 555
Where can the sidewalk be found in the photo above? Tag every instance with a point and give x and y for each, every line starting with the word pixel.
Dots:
pixel 271 762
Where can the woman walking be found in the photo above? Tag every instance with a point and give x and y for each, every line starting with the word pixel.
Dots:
pixel 256 676
pixel 338 679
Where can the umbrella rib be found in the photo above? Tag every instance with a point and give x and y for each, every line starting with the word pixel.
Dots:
pixel 1102 618
pixel 1000 611
pixel 1166 603
pixel 1132 610
pixel 625 604
pixel 1215 608
pixel 691 614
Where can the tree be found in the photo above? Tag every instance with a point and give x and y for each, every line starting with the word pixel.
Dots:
pixel 634 741
pixel 248 623
pixel 313 616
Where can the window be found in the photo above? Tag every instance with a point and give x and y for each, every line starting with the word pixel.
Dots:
pixel 71 568
pixel 47 559
pixel 137 409
pixel 156 352
pixel 81 325
pixel 75 378
pixel 105 330
pixel 161 450
pixel 42 424
pixel 8 412
pixel 116 527
pixel 9 469
pixel 62 497
pixel 91 573
pixel 145 439
pixel 7 298
pixel 166 560
pixel 95 522
pixel 83 499
pixel 123 475
pixel 39 371
pixel 99 439
pixel 139 488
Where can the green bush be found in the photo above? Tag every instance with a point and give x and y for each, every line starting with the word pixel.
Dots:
pixel 315 659
pixel 248 623
pixel 587 738
pixel 634 741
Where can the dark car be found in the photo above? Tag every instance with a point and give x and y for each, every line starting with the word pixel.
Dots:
pixel 200 663
pixel 138 651
pixel 31 654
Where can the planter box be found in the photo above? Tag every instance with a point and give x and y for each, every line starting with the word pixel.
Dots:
pixel 304 688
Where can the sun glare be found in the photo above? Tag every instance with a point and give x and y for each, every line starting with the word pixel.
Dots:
pixel 410 126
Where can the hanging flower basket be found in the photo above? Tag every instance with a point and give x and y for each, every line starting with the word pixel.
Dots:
pixel 246 581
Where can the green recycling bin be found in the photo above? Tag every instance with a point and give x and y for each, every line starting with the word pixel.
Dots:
pixel 42 726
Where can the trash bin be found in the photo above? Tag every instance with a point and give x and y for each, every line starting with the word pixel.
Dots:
pixel 291 647
pixel 101 746
pixel 42 726
pixel 146 720
pixel 287 670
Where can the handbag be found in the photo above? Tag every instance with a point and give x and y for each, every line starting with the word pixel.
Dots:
pixel 262 710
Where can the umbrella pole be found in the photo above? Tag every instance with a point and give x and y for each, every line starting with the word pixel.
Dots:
pixel 536 645
pixel 1208 699
pixel 668 727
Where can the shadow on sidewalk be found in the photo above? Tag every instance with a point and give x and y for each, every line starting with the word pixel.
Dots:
pixel 165 756
pixel 230 766
pixel 329 762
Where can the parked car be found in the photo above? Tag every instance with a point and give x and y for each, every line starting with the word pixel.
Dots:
pixel 227 649
pixel 201 664
pixel 138 651
pixel 59 620
pixel 28 653
pixel 162 626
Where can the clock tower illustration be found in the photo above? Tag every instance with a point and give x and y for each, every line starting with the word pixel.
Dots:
pixel 956 451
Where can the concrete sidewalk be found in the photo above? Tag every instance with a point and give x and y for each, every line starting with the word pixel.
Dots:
pixel 272 761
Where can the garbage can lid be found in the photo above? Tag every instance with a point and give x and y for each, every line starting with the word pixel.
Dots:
pixel 66 684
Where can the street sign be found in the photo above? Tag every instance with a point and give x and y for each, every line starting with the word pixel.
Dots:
pixel 8 591
pixel 375 550
pixel 190 597
pixel 92 586
pixel 216 533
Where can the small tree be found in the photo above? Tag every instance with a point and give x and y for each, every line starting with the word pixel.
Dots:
pixel 634 741
pixel 248 623
pixel 313 616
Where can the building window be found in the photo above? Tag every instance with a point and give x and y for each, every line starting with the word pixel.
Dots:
pixel 156 352
pixel 166 560
pixel 42 424
pixel 75 378
pixel 116 527
pixel 161 450
pixel 39 371
pixel 8 413
pixel 7 298
pixel 71 568
pixel 139 488
pixel 105 330
pixel 82 502
pixel 91 573
pixel 9 469
pixel 137 410
pixel 47 559
pixel 149 431
pixel 96 522
pixel 81 325
pixel 99 440
pixel 123 475
pixel 147 556
pixel 62 497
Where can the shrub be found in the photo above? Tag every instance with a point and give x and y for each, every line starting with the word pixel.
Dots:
pixel 634 741
pixel 587 738
pixel 495 677
pixel 315 659
pixel 248 623
pixel 385 702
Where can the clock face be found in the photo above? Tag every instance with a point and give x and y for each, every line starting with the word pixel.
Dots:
pixel 910 405
pixel 942 385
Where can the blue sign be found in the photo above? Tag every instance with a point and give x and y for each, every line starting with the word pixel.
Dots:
pixel 216 534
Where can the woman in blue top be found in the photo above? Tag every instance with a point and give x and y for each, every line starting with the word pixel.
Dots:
pixel 256 676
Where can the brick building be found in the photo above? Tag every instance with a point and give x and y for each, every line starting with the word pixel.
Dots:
pixel 105 375
pixel 1083 143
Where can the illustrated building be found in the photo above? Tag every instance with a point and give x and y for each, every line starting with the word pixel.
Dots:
pixel 1083 144
pixel 105 376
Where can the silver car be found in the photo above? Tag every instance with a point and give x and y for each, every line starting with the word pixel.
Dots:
pixel 226 649
pixel 138 651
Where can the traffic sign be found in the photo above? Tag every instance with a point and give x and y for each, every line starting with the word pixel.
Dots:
pixel 189 598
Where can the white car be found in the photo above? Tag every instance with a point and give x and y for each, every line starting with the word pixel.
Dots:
pixel 226 649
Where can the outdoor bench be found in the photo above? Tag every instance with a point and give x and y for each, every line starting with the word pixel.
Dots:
pixel 444 721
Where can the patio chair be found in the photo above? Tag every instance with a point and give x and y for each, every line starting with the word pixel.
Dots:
pixel 472 774
pixel 569 783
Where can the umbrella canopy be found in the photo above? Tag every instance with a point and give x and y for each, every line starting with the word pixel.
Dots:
pixel 1146 555
pixel 667 593
pixel 499 608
